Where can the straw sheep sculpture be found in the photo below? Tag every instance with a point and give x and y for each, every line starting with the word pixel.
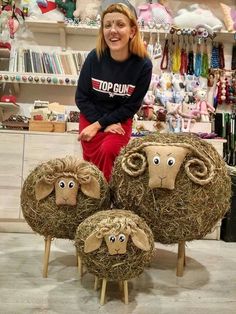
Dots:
pixel 59 194
pixel 114 245
pixel 177 182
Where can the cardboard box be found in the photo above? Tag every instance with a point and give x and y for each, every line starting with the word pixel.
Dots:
pixel 47 126
pixel 72 127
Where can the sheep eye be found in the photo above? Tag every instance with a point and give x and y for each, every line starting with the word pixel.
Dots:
pixel 156 160
pixel 112 238
pixel 121 237
pixel 62 184
pixel 171 161
pixel 71 184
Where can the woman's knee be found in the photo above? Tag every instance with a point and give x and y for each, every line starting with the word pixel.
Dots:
pixel 111 147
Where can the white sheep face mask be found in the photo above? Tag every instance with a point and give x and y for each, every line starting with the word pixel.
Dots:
pixel 164 163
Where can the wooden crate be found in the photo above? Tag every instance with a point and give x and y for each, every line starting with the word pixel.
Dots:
pixel 47 126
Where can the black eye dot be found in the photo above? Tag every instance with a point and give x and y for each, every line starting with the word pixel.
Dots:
pixel 170 161
pixel 112 238
pixel 121 237
pixel 71 184
pixel 62 184
pixel 156 160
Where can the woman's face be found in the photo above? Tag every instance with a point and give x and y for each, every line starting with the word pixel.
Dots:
pixel 117 33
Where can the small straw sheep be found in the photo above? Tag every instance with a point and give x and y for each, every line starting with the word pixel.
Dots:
pixel 114 245
pixel 177 182
pixel 60 193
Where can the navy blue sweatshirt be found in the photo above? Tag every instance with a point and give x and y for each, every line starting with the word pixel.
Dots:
pixel 109 91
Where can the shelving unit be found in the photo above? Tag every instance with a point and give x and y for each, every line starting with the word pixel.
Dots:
pixel 63 30
pixel 66 39
pixel 38 78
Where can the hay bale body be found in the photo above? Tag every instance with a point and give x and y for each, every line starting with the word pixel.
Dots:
pixel 60 221
pixel 113 267
pixel 189 211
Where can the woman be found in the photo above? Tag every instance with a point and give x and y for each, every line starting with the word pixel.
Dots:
pixel 112 83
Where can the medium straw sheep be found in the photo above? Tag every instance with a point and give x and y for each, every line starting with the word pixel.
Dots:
pixel 60 193
pixel 114 245
pixel 177 182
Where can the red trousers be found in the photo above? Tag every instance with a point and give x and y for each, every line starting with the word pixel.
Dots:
pixel 103 149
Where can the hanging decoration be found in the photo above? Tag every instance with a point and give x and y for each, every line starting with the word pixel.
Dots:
pixel 10 19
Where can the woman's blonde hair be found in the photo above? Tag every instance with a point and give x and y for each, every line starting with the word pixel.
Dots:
pixel 136 45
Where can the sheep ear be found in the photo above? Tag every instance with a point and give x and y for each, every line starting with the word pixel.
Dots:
pixel 140 239
pixel 91 189
pixel 92 243
pixel 43 189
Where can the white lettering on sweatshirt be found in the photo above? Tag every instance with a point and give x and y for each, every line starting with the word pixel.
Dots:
pixel 112 88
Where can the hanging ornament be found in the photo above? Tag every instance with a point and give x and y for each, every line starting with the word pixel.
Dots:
pixel 198 61
pixel 221 56
pixel 157 50
pixel 205 63
pixel 215 62
pixel 176 59
pixel 13 14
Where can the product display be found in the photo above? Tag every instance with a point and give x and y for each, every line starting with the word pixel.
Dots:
pixel 168 184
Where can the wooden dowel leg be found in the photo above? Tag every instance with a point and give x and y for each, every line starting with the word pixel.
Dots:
pixel 96 281
pixel 121 286
pixel 180 262
pixel 80 267
pixel 47 240
pixel 77 255
pixel 184 256
pixel 126 291
pixel 103 292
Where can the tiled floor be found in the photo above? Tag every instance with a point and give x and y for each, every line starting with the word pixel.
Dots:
pixel 208 285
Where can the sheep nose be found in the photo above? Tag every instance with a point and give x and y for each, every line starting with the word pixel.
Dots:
pixel 161 178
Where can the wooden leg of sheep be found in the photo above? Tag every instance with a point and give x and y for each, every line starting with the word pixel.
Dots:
pixel 103 292
pixel 47 240
pixel 77 256
pixel 126 291
pixel 80 267
pixel 96 283
pixel 181 259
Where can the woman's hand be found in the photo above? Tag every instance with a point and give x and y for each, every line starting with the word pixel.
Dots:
pixel 115 128
pixel 89 132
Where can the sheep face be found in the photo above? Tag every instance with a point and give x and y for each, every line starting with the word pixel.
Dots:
pixel 163 165
pixel 66 190
pixel 116 244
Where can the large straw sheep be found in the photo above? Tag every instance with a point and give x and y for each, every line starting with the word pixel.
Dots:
pixel 177 182
pixel 60 193
pixel 114 245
